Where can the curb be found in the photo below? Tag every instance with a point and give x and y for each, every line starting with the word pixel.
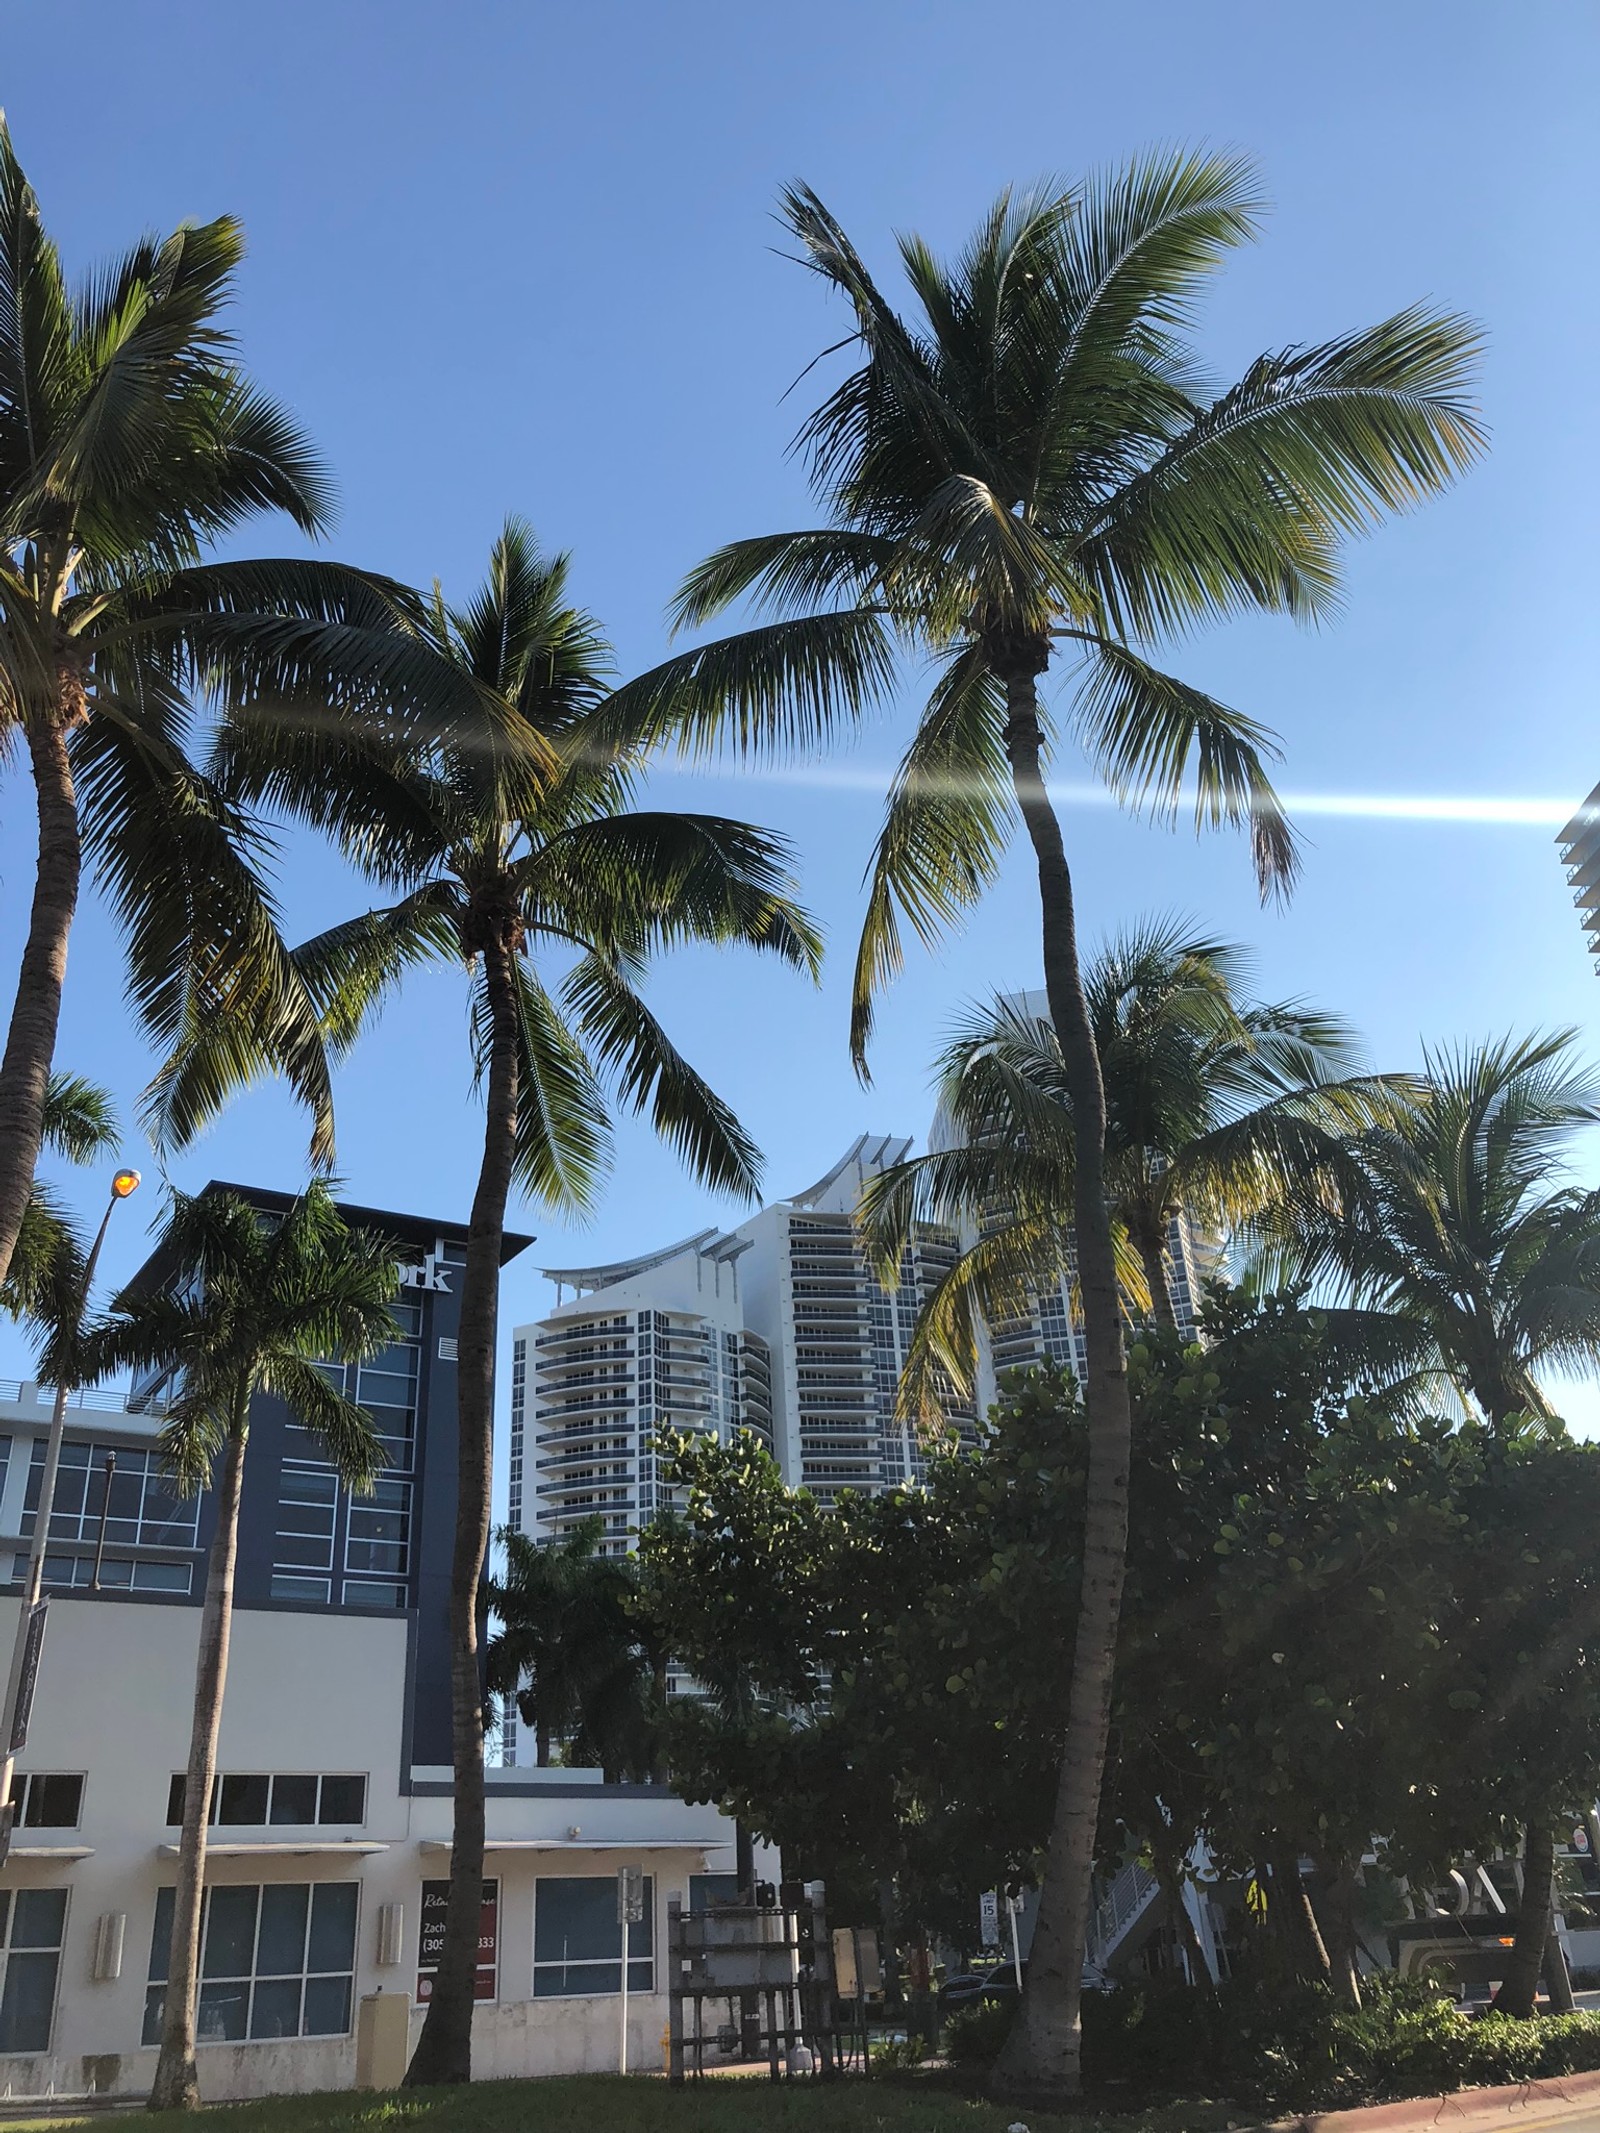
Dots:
pixel 1515 2102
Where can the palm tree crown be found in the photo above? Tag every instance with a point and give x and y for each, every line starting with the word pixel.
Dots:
pixel 1032 466
pixel 503 848
pixel 1216 1106
pixel 1456 1239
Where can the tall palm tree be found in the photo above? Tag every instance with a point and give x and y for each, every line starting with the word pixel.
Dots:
pixel 1217 1107
pixel 257 1303
pixel 575 1650
pixel 513 854
pixel 1028 471
pixel 130 440
pixel 46 1272
pixel 1457 1244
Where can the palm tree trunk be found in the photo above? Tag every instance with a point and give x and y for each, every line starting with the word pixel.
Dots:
pixel 36 1008
pixel 1154 1259
pixel 1520 1986
pixel 1339 1927
pixel 1043 2052
pixel 177 2084
pixel 444 2049
pixel 1167 1861
pixel 1290 1905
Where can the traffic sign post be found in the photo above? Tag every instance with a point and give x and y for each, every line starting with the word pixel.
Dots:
pixel 630 1912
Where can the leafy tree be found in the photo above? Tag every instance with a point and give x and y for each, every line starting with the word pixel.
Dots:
pixel 1457 1242
pixel 131 441
pixel 573 1649
pixel 80 1123
pixel 1215 1105
pixel 254 1304
pixel 1025 472
pixel 513 855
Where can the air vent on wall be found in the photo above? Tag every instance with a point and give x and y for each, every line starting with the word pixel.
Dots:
pixel 447 1351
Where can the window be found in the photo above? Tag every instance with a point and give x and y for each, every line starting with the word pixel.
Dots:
pixel 31 1925
pixel 275 1961
pixel 379 1539
pixel 48 1801
pixel 307 1497
pixel 143 1509
pixel 284 1797
pixel 577 1942
pixel 304 1591
pixel 373 1592
pixel 117 1574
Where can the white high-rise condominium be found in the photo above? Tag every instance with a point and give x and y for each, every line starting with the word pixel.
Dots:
pixel 778 1326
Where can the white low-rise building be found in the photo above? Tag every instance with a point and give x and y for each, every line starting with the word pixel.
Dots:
pixel 323 1849
pixel 329 1855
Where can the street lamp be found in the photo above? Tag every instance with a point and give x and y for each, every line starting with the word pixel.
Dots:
pixel 31 1615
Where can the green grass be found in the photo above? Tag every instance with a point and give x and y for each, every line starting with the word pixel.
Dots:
pixel 600 2103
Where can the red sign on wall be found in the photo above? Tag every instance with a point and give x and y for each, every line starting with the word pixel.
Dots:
pixel 435 1910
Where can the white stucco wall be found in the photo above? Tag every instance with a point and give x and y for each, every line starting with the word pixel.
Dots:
pixel 306 1692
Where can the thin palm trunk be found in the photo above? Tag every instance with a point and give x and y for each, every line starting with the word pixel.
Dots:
pixel 36 1010
pixel 1043 2051
pixel 1153 1257
pixel 1290 1906
pixel 444 2049
pixel 1339 1926
pixel 177 2085
pixel 1169 1872
pixel 1520 1986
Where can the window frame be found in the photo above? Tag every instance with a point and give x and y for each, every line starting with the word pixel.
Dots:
pixel 8 1949
pixel 272 1778
pixel 254 1978
pixel 29 1779
pixel 637 1963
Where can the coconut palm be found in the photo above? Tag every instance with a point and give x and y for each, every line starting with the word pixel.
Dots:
pixel 1030 471
pixel 1458 1246
pixel 1217 1107
pixel 513 855
pixel 130 440
pixel 47 1265
pixel 255 1302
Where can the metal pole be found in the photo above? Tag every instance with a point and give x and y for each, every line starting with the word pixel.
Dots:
pixel 41 1524
pixel 105 1513
pixel 1014 1905
pixel 622 2031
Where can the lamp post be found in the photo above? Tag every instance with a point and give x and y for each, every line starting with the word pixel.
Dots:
pixel 31 1615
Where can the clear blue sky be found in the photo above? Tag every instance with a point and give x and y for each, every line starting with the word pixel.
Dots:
pixel 521 257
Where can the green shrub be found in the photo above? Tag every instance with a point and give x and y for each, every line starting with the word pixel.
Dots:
pixel 974 2035
pixel 1295 2047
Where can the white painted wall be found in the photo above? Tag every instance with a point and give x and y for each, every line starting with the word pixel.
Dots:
pixel 322 1692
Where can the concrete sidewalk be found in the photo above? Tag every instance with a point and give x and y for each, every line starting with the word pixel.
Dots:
pixel 1570 2100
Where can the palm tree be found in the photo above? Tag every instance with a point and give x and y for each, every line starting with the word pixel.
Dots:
pixel 511 835
pixel 1032 470
pixel 257 1304
pixel 46 1272
pixel 575 1651
pixel 1216 1106
pixel 130 440
pixel 1457 1246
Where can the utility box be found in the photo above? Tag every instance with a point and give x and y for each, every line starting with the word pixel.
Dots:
pixel 383 2040
pixel 741 1948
